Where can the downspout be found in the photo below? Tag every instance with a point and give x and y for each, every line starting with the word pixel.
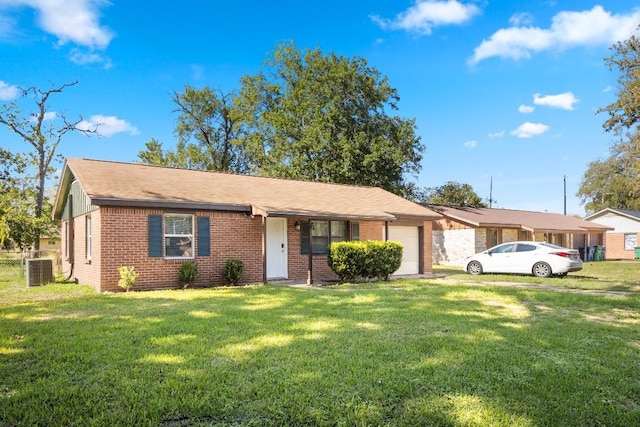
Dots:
pixel 71 240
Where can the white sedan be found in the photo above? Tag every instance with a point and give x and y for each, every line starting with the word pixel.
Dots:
pixel 537 258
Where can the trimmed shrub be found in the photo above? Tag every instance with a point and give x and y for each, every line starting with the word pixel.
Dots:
pixel 128 277
pixel 369 259
pixel 347 259
pixel 233 269
pixel 187 273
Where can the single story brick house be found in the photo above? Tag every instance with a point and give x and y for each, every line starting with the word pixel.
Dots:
pixel 155 218
pixel 464 231
pixel 624 237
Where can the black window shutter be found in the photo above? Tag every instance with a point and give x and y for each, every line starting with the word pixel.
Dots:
pixel 155 235
pixel 204 248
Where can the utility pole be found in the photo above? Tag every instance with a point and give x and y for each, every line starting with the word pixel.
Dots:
pixel 491 193
pixel 565 195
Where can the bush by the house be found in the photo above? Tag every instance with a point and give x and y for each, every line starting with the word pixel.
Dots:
pixel 347 259
pixel 370 259
pixel 233 269
pixel 128 277
pixel 187 273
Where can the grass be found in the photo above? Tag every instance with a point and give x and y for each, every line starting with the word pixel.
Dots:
pixel 617 276
pixel 402 353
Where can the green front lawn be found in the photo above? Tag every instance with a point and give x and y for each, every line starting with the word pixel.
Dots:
pixel 401 353
pixel 619 276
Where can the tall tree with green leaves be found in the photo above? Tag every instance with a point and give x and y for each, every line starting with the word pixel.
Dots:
pixel 325 117
pixel 615 182
pixel 209 133
pixel 624 113
pixel 451 194
pixel 43 131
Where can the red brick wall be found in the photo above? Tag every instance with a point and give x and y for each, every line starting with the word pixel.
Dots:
pixel 120 238
pixel 371 230
pixel 614 247
pixel 427 247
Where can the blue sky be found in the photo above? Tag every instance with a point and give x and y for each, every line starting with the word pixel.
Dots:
pixel 501 90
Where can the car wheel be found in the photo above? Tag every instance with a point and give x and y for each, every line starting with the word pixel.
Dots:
pixel 474 267
pixel 541 269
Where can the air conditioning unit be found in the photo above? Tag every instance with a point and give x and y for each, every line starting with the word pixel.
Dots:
pixel 39 271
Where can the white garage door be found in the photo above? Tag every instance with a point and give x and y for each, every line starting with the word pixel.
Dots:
pixel 408 236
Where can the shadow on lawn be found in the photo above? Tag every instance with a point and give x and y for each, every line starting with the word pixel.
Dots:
pixel 408 354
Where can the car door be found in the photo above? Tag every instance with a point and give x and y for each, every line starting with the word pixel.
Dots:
pixel 498 259
pixel 523 258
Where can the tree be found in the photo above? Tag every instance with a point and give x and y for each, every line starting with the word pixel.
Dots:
pixel 451 194
pixel 615 181
pixel 624 113
pixel 209 134
pixel 43 131
pixel 326 118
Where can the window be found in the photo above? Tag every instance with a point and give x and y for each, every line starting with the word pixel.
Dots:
pixel 630 242
pixel 322 234
pixel 88 237
pixel 502 249
pixel 67 241
pixel 492 237
pixel 525 248
pixel 178 236
pixel 524 235
pixel 355 231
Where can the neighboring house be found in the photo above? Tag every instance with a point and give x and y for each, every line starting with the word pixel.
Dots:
pixel 49 243
pixel 620 242
pixel 155 218
pixel 462 232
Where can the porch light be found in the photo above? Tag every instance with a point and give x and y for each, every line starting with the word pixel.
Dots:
pixel 297 225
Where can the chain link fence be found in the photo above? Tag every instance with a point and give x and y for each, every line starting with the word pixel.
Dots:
pixel 18 259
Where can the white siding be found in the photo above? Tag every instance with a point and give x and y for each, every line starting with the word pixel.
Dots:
pixel 621 224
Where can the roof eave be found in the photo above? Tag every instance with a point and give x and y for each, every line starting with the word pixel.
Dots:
pixel 114 201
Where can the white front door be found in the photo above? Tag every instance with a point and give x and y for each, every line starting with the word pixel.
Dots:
pixel 276 248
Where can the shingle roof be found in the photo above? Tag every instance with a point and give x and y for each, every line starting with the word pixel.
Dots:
pixel 526 220
pixel 132 184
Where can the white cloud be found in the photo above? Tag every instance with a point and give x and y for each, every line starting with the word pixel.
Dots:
pixel 526 109
pixel 497 134
pixel 471 144
pixel 426 14
pixel 565 100
pixel 107 125
pixel 521 19
pixel 8 92
pixel 86 58
pixel 595 27
pixel 528 129
pixel 48 116
pixel 75 21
